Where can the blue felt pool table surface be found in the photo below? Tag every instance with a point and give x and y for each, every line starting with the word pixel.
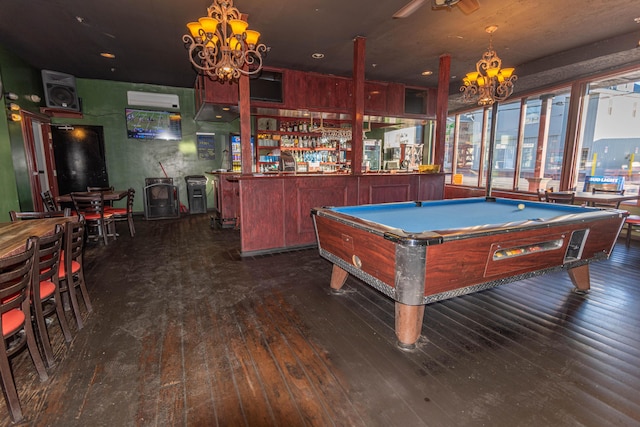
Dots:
pixel 456 213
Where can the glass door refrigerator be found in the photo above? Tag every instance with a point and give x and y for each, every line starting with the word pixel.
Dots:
pixel 236 153
pixel 372 149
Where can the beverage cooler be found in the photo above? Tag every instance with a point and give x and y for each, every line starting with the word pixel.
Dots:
pixel 236 153
pixel 372 150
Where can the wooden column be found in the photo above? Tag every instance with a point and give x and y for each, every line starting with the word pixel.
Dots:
pixel 442 105
pixel 357 145
pixel 245 124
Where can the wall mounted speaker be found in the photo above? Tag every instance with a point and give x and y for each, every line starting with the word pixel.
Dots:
pixel 60 90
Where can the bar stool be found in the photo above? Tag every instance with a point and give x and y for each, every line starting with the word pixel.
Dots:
pixel 15 321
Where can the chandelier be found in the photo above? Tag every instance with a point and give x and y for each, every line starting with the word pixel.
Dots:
pixel 489 83
pixel 221 46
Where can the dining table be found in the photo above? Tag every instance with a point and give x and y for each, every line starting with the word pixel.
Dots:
pixel 109 196
pixel 589 198
pixel 14 235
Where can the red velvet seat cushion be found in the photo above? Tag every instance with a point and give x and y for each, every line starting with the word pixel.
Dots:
pixel 118 211
pixel 12 320
pixel 75 267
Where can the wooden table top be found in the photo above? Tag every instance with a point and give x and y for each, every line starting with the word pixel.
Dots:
pixel 589 197
pixel 108 195
pixel 14 235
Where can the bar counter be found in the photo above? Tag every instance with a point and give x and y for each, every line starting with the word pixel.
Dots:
pixel 273 210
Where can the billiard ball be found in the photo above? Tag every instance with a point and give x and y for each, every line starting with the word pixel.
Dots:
pixel 521 206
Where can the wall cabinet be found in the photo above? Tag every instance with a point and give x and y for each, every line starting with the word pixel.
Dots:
pixel 319 92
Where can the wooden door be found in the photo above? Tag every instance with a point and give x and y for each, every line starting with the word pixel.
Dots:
pixel 39 156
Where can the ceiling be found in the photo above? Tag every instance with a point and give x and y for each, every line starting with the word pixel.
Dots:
pixel 547 41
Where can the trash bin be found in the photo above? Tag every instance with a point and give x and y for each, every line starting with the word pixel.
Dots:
pixel 197 193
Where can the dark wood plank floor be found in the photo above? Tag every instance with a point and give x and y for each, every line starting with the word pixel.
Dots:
pixel 185 332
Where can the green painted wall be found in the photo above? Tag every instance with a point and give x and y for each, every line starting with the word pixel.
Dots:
pixel 19 78
pixel 8 190
pixel 130 161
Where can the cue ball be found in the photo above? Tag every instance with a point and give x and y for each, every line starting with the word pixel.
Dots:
pixel 521 206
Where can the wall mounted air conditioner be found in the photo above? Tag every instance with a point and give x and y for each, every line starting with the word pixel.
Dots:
pixel 156 100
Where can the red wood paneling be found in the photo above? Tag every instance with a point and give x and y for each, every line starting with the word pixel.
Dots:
pixel 261 214
pixel 302 195
pixel 319 92
pixel 275 211
pixel 220 93
pixel 395 99
pixel 375 97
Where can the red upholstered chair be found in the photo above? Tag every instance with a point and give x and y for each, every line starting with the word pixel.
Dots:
pixel 15 321
pixel 631 221
pixel 45 290
pixel 91 206
pixel 126 213
pixel 71 271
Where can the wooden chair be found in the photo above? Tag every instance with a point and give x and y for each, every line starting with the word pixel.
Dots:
pixel 15 321
pixel 21 216
pixel 45 290
pixel 542 195
pixel 631 221
pixel 91 206
pixel 615 205
pixel 563 198
pixel 71 270
pixel 101 189
pixel 48 201
pixel 126 213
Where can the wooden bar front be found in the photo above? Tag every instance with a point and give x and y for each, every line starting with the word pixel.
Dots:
pixel 275 210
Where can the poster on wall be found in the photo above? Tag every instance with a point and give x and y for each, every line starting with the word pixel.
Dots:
pixel 206 146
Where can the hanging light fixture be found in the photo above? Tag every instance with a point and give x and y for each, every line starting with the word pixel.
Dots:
pixel 221 46
pixel 489 83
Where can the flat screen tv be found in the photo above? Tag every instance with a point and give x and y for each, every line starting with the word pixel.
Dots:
pixel 152 124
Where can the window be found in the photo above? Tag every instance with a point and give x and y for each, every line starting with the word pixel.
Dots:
pixel 506 145
pixel 530 139
pixel 473 136
pixel 610 140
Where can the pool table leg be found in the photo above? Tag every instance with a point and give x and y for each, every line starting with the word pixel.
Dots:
pixel 408 324
pixel 338 278
pixel 580 277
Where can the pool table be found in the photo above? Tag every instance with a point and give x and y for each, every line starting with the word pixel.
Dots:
pixel 425 251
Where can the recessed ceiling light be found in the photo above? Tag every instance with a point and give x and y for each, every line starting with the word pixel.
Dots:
pixel 427 72
pixel 107 55
pixel 218 117
pixel 226 108
pixel 317 55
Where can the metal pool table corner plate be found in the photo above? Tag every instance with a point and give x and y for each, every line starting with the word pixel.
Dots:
pixel 421 252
